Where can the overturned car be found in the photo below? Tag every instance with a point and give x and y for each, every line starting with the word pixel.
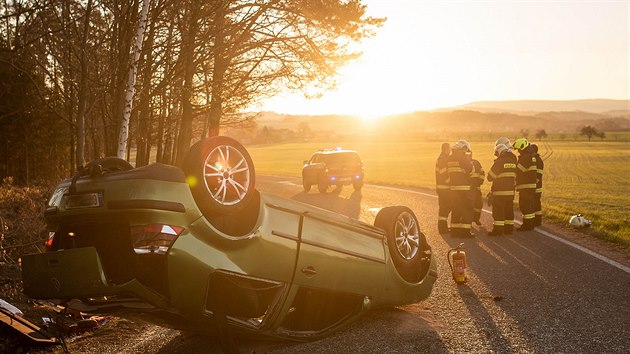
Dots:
pixel 198 247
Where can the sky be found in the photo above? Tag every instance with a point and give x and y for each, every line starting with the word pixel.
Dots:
pixel 434 54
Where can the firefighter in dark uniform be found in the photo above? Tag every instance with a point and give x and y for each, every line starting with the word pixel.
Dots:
pixel 540 166
pixel 526 175
pixel 443 189
pixel 459 168
pixel 476 180
pixel 502 175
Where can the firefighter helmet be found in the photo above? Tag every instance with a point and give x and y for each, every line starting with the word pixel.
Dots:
pixel 502 140
pixel 501 148
pixel 462 145
pixel 520 144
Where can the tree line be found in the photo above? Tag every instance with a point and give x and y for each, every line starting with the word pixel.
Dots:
pixel 71 71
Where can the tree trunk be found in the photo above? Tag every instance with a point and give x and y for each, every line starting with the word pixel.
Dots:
pixel 189 45
pixel 131 82
pixel 83 88
pixel 218 73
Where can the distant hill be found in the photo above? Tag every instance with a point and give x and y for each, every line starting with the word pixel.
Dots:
pixel 532 115
pixel 586 105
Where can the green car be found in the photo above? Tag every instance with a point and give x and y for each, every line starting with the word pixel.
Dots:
pixel 199 248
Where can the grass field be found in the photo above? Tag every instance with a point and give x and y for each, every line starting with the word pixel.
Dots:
pixel 592 178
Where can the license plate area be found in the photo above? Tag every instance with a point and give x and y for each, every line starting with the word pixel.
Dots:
pixel 62 274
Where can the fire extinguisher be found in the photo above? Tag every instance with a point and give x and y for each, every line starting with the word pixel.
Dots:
pixel 457 260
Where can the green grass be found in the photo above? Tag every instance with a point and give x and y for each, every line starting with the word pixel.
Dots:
pixel 592 178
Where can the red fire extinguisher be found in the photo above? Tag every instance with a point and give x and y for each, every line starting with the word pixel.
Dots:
pixel 457 260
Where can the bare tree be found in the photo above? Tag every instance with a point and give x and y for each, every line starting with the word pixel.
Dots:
pixel 131 81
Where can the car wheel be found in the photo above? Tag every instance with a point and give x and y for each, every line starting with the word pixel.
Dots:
pixel 221 175
pixel 406 243
pixel 307 186
pixel 322 187
pixel 357 185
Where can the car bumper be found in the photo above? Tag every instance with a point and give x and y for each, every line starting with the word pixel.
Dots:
pixel 78 274
pixel 340 179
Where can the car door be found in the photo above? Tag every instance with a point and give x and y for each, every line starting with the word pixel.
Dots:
pixel 340 254
pixel 313 168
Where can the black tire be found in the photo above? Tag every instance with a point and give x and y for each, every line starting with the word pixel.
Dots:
pixel 221 175
pixel 307 186
pixel 322 186
pixel 407 245
pixel 357 185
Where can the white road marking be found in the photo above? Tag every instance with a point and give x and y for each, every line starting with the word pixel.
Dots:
pixel 288 182
pixel 542 232
pixel 586 250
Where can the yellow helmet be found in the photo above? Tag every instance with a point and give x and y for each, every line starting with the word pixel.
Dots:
pixel 520 144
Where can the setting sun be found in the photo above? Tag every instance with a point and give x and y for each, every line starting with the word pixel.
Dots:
pixel 432 54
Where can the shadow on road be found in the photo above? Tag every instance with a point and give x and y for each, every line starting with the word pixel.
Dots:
pixel 334 201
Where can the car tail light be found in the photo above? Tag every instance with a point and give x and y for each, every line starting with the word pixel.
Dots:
pixel 154 238
pixel 49 241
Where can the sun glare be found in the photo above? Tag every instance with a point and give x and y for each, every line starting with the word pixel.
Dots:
pixel 369 118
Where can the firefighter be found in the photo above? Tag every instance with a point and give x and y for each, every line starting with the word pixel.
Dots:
pixel 476 180
pixel 459 168
pixel 526 171
pixel 502 175
pixel 443 189
pixel 540 166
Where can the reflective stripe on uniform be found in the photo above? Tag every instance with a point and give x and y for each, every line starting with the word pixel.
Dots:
pixel 540 172
pixel 525 169
pixel 455 225
pixel 538 190
pixel 440 170
pixel 509 222
pixel 503 193
pixel 538 213
pixel 506 174
pixel 529 216
pixel 499 223
pixel 492 174
pixel 460 188
pixel 443 218
pixel 465 226
pixel 456 169
pixel 477 210
pixel 526 186
pixel 443 186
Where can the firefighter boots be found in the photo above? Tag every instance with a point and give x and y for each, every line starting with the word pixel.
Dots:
pixel 443 227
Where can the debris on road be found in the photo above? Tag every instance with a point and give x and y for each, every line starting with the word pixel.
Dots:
pixel 26 328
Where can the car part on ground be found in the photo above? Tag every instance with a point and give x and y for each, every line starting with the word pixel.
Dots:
pixel 201 249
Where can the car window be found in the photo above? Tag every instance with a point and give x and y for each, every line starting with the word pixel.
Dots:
pixel 316 158
pixel 344 158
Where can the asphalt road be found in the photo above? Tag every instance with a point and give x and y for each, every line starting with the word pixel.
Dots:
pixel 527 292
